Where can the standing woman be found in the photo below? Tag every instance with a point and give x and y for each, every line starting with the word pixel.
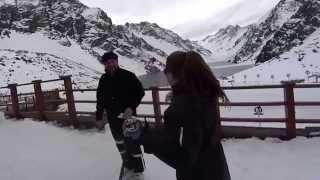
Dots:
pixel 189 140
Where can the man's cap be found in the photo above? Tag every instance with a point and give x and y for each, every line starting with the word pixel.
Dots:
pixel 108 55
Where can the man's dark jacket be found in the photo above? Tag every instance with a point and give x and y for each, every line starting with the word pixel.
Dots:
pixel 118 91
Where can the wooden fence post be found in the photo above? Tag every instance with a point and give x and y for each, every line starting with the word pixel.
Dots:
pixel 14 100
pixel 290 109
pixel 219 126
pixel 70 100
pixel 26 101
pixel 34 103
pixel 39 104
pixel 156 105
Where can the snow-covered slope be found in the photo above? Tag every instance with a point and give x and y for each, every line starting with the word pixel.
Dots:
pixel 20 66
pixel 299 63
pixel 37 42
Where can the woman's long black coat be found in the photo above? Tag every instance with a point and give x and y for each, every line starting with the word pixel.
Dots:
pixel 189 140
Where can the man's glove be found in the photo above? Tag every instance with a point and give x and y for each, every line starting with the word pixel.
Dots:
pixel 168 98
pixel 127 114
pixel 133 128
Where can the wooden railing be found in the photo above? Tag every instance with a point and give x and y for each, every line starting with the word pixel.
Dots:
pixel 73 117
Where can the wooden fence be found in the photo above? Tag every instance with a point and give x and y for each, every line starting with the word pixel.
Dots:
pixel 75 118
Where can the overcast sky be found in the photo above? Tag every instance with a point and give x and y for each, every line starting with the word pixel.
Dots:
pixel 192 19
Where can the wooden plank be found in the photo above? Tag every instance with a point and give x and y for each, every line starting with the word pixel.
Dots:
pixel 85 112
pixel 307 86
pixel 52 80
pixel 61 117
pixel 85 101
pixel 70 100
pixel 151 103
pixel 25 94
pixel 147 102
pixel 32 114
pixel 160 89
pixel 14 100
pixel 156 105
pixel 25 84
pixel 253 104
pixel 84 90
pixel 249 132
pixel 290 109
pixel 307 103
pixel 40 106
pixel 56 101
pixel 252 87
pixel 308 121
pixel 258 120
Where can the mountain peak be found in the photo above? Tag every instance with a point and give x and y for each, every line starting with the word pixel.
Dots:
pixel 286 26
pixel 228 32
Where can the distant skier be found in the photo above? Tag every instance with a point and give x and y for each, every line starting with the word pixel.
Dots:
pixel 189 140
pixel 120 92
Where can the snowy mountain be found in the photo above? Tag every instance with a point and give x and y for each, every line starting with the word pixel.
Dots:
pixel 287 26
pixel 72 31
pixel 164 39
pixel 225 43
pixel 302 62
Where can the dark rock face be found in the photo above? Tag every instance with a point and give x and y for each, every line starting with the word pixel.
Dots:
pixel 258 34
pixel 294 32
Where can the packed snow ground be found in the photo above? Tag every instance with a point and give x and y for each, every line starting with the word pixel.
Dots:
pixel 36 151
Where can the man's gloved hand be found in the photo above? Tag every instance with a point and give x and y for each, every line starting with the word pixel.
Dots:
pixel 133 128
pixel 127 113
pixel 168 98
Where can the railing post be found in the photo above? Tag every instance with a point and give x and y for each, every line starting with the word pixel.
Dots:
pixel 34 103
pixel 39 104
pixel 26 101
pixel 290 109
pixel 219 126
pixel 70 100
pixel 14 100
pixel 156 105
